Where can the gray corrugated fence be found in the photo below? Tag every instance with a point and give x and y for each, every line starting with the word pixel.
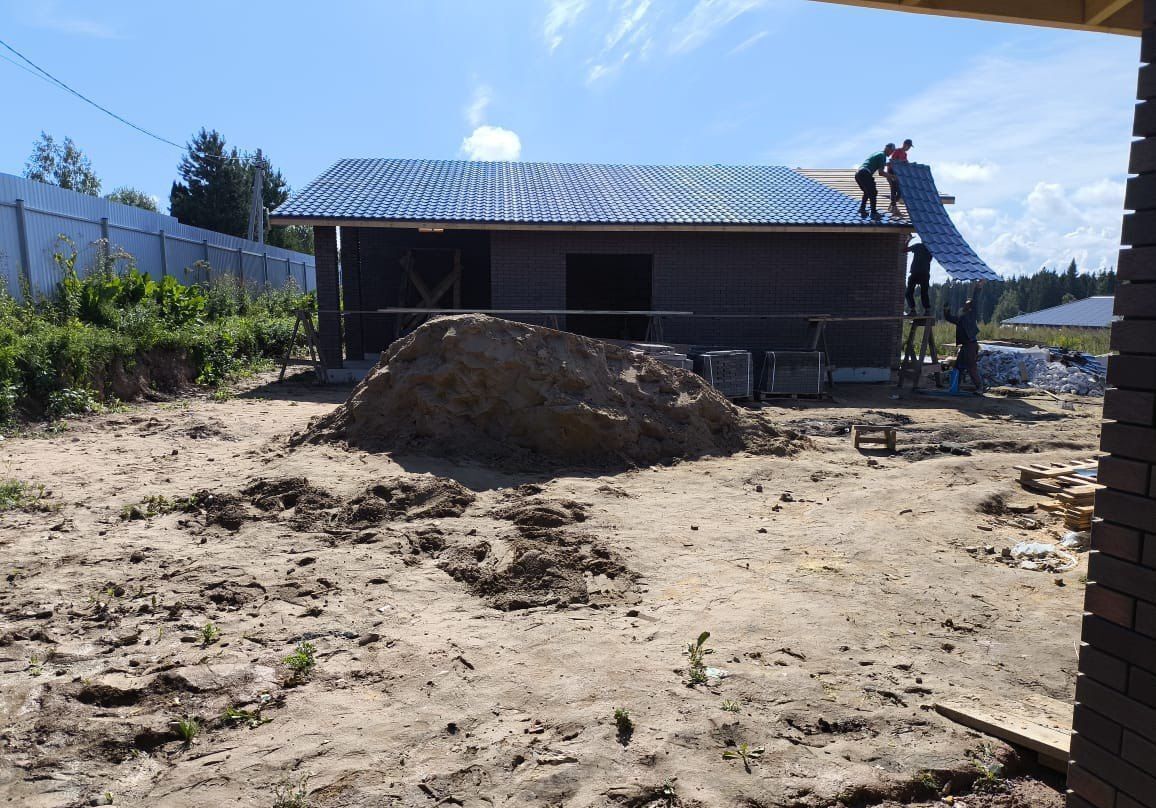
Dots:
pixel 34 215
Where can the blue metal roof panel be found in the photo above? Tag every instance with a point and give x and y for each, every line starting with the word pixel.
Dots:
pixel 570 194
pixel 935 228
pixel 1091 312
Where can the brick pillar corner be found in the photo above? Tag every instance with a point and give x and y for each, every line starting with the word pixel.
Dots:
pixel 328 295
pixel 351 293
pixel 1113 754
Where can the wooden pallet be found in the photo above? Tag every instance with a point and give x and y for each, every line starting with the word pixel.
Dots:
pixel 1073 494
pixel 873 436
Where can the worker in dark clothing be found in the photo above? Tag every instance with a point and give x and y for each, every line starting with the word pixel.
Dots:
pixel 897 156
pixel 865 178
pixel 967 338
pixel 920 276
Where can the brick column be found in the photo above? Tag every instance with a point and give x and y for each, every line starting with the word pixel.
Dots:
pixel 1113 760
pixel 351 293
pixel 328 297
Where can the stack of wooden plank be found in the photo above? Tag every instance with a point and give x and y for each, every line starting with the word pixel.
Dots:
pixel 1073 486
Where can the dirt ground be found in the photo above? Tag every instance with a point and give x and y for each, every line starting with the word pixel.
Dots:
pixel 473 642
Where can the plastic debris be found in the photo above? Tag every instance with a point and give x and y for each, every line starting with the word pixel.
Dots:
pixel 1034 555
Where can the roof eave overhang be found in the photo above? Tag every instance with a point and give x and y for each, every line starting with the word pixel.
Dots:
pixel 1105 16
pixel 594 227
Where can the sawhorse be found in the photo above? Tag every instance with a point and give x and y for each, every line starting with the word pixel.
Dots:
pixel 305 321
pixel 912 362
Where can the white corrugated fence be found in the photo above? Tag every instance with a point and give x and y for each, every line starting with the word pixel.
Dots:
pixel 34 215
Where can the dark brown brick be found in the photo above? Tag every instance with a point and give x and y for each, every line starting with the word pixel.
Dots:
pixel 351 293
pixel 1136 442
pixel 1117 540
pixel 1097 728
pixel 1130 476
pixel 1122 576
pixel 1110 605
pixel 1142 687
pixel 1137 751
pixel 1113 769
pixel 1124 801
pixel 1146 86
pixel 1148 558
pixel 1144 122
pixel 1137 407
pixel 1132 371
pixel 1143 156
pixel 1139 263
pixel 1136 299
pixel 1134 336
pixel 1125 509
pixel 1091 788
pixel 1146 619
pixel 1148 45
pixel 1119 642
pixel 1072 801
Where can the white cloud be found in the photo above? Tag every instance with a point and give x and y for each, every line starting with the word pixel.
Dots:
pixel 47 14
pixel 629 20
pixel 964 172
pixel 706 19
pixel 1046 152
pixel 492 143
pixel 475 111
pixel 748 42
pixel 561 17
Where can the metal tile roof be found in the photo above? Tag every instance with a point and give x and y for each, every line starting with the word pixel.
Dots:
pixel 459 191
pixel 843 181
pixel 935 227
pixel 1091 312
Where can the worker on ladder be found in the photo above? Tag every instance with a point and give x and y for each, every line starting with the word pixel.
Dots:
pixel 920 276
pixel 967 338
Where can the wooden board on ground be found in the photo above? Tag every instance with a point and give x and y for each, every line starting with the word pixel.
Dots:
pixel 1036 471
pixel 1044 728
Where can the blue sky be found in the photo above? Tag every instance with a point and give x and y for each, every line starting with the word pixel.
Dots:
pixel 1028 127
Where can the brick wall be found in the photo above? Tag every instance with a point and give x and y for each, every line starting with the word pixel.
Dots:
pixel 731 273
pixel 1113 760
pixel 328 297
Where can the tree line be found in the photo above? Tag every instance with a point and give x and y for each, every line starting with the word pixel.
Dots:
pixel 212 190
pixel 997 301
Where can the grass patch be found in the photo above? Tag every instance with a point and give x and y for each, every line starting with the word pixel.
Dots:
pixel 16 495
pixel 1089 340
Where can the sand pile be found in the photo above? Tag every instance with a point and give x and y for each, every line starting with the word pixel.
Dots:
pixel 472 385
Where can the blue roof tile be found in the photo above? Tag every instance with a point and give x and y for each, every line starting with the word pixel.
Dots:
pixel 463 191
pixel 935 228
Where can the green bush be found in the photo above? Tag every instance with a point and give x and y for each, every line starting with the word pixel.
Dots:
pixel 56 353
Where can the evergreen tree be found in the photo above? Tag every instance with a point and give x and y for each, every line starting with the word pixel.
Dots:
pixel 62 164
pixel 1007 307
pixel 131 196
pixel 216 186
pixel 211 192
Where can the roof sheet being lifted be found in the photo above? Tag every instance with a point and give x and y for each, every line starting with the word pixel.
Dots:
pixel 935 228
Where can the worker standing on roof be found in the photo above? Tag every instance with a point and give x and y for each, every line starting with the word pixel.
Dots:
pixel 967 338
pixel 920 276
pixel 897 156
pixel 865 178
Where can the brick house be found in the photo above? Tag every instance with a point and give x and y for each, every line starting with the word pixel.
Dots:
pixel 749 250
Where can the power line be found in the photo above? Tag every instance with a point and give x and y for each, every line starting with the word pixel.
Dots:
pixel 88 100
pixel 44 75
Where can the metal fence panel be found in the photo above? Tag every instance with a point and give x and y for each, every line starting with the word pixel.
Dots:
pixel 50 212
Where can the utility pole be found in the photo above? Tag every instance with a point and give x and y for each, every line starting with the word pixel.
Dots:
pixel 257 202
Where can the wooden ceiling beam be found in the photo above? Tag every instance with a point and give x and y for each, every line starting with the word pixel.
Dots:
pixel 1109 16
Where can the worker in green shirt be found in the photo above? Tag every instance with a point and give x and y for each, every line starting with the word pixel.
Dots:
pixel 865 177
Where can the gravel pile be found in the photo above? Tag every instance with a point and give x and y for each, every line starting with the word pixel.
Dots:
pixel 1029 369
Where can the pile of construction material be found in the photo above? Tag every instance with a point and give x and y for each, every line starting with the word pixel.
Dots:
pixel 1042 368
pixel 1072 487
pixel 481 387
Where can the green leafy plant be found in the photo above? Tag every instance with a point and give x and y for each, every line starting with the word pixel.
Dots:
pixel 209 634
pixel 730 706
pixel 187 729
pixel 152 505
pixel 696 653
pixel 16 495
pixel 990 770
pixel 288 794
pixel 745 753
pixel 624 723
pixel 303 659
pixel 250 718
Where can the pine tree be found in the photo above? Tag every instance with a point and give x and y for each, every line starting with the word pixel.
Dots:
pixel 62 164
pixel 211 192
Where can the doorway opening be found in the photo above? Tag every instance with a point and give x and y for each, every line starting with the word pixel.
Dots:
pixel 596 282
